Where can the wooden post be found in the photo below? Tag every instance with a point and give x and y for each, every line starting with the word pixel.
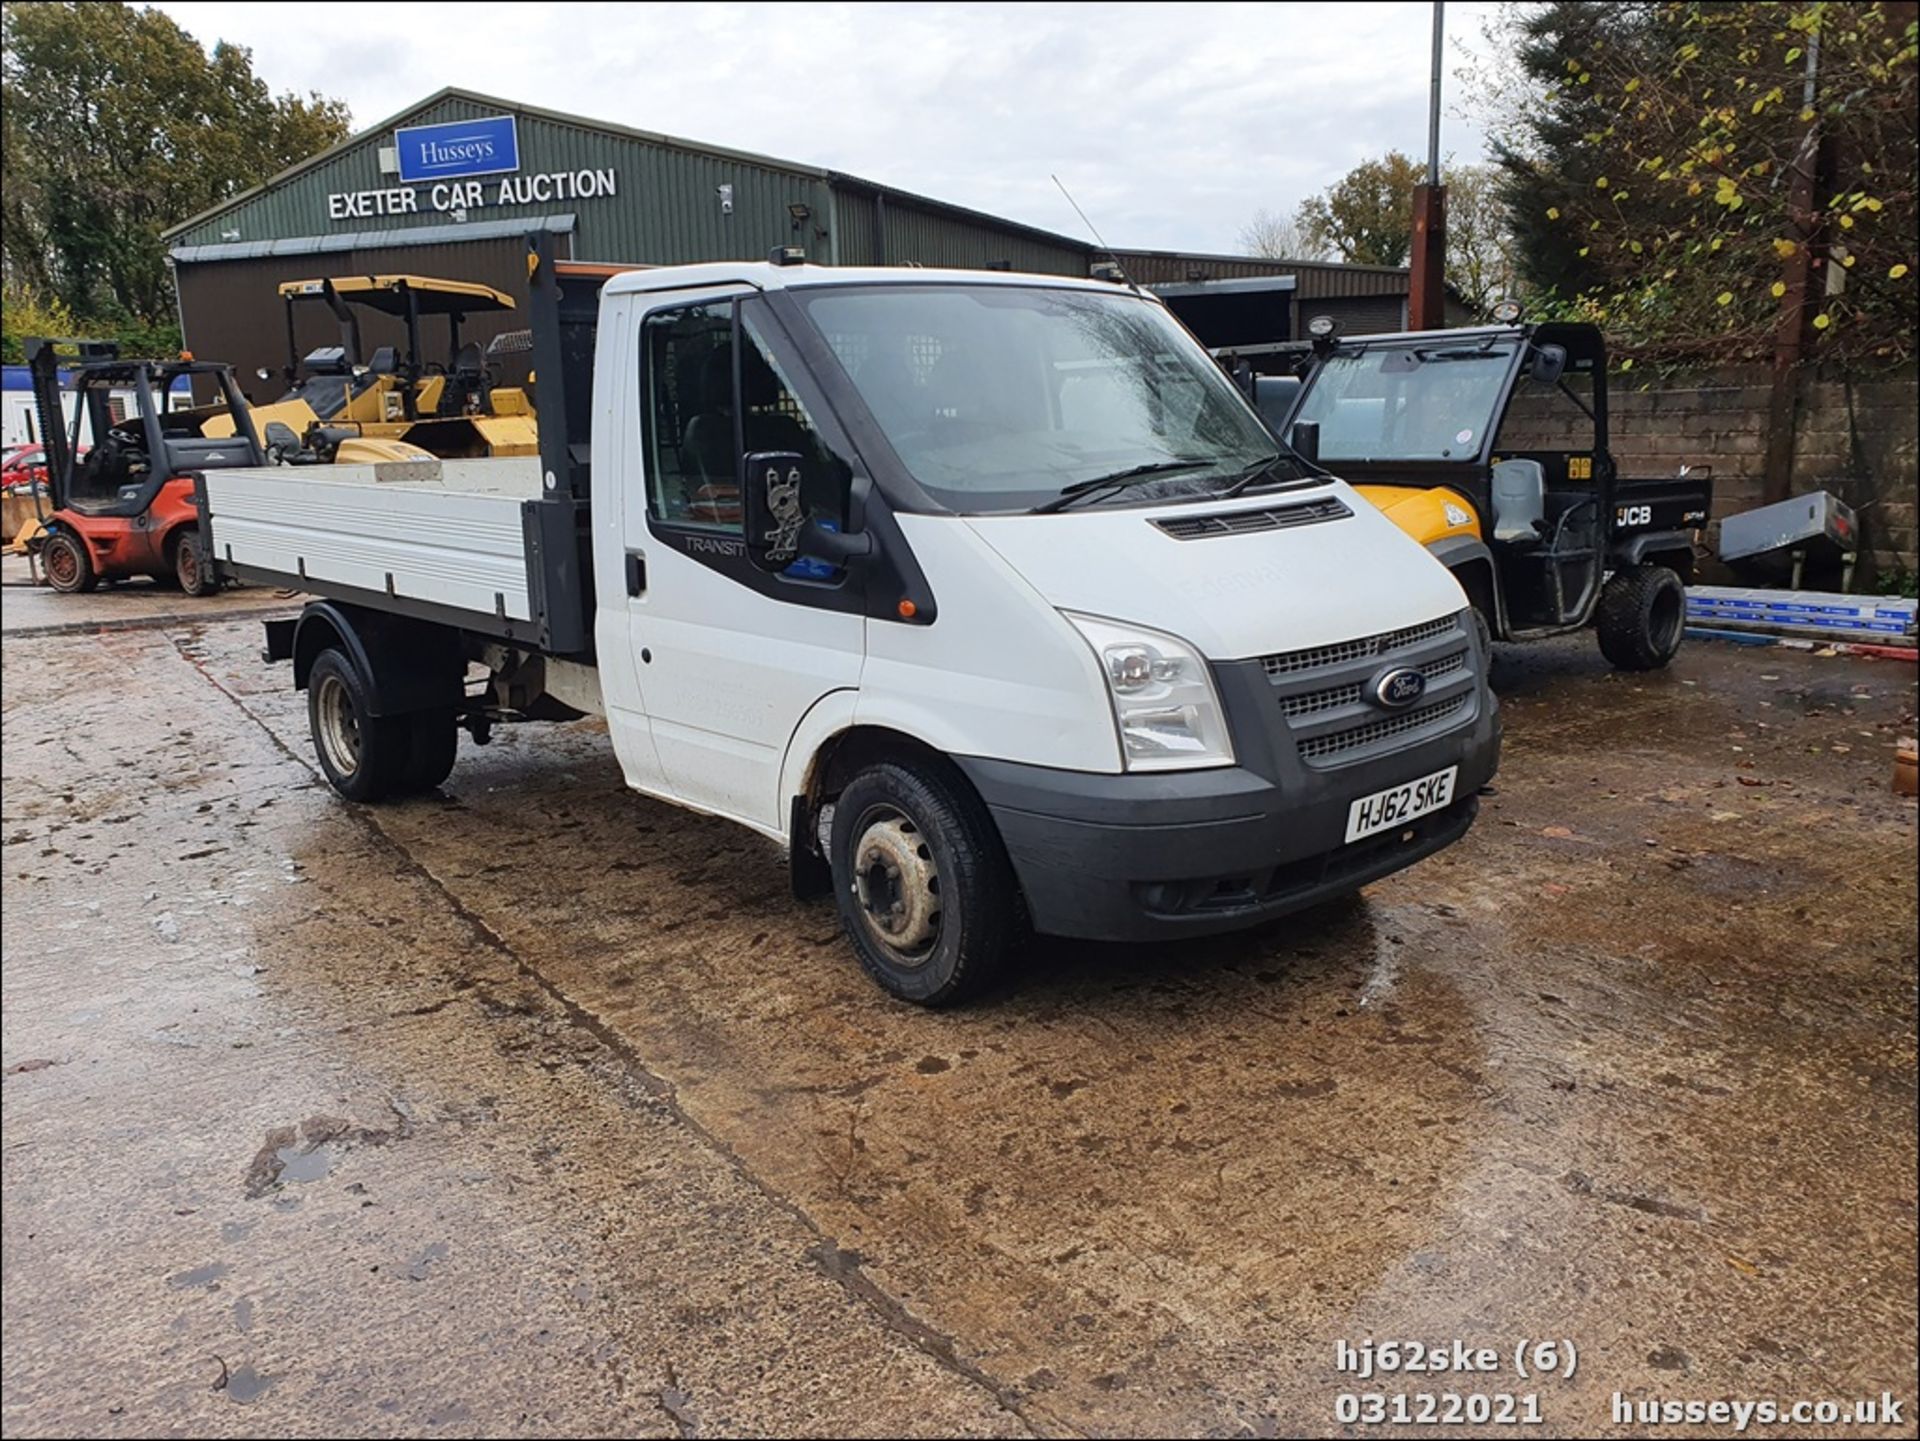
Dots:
pixel 1427 285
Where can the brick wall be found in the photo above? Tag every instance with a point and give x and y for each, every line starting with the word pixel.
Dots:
pixel 1856 438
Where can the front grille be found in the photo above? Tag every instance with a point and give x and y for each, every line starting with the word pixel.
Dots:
pixel 1320 747
pixel 1247 522
pixel 1293 661
pixel 1314 701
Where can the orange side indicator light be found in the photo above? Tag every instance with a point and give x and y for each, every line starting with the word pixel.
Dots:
pixel 908 610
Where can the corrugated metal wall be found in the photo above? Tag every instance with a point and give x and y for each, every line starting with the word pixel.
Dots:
pixel 856 227
pixel 942 238
pixel 232 310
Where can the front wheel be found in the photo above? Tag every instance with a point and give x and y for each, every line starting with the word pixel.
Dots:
pixel 190 568
pixel 1642 617
pixel 925 891
pixel 68 564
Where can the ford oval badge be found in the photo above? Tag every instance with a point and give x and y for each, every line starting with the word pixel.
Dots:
pixel 1397 689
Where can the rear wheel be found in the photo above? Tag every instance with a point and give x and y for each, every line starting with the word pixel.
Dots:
pixel 189 567
pixel 363 755
pixel 1642 617
pixel 68 563
pixel 925 891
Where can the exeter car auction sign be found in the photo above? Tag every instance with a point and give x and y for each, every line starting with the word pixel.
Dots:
pixel 438 165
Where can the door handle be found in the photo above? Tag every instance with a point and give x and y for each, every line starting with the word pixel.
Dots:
pixel 636 572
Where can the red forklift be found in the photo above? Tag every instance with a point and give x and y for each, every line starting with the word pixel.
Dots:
pixel 119 499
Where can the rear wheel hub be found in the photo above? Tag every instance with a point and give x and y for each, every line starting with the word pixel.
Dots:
pixel 339 726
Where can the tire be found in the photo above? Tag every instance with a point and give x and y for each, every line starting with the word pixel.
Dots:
pixel 433 744
pixel 1642 617
pixel 189 566
pixel 925 891
pixel 363 755
pixel 68 564
pixel 1483 629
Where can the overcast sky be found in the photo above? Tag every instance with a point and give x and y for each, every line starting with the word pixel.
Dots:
pixel 1171 123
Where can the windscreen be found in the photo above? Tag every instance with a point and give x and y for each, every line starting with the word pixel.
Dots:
pixel 995 397
pixel 1407 402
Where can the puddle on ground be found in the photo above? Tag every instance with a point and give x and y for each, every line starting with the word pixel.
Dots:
pixel 199 1276
pixel 299 1165
pixel 244 1384
pixel 438 1251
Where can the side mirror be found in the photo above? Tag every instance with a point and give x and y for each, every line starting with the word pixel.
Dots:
pixel 771 506
pixel 779 529
pixel 1304 440
pixel 1549 364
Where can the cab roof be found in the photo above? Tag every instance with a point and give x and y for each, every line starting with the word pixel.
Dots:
pixel 388 293
pixel 763 275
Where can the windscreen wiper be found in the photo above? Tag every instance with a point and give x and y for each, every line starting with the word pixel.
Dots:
pixel 1250 474
pixel 1310 474
pixel 1114 481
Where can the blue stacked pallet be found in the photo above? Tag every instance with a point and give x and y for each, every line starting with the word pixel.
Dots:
pixel 1886 620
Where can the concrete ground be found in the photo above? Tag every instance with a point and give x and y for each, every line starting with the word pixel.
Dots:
pixel 536 1106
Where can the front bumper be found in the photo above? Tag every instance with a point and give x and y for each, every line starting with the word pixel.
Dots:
pixel 1151 856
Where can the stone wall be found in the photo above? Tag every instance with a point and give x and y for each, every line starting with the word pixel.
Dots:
pixel 1858 438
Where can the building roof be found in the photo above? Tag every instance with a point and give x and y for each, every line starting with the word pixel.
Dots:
pixel 1318 279
pixel 651 137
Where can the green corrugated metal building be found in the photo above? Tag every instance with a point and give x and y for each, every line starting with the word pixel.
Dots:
pixel 612 194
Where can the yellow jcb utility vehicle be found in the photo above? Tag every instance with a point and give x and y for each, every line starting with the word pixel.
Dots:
pixel 452 408
pixel 1489 447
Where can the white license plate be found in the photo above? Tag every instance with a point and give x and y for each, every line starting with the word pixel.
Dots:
pixel 1396 805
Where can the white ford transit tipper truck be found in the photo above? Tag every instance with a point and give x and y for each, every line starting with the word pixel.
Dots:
pixel 985 594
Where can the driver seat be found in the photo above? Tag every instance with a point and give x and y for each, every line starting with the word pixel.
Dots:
pixel 466 380
pixel 1519 502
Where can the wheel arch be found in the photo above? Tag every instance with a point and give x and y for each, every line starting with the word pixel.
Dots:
pixel 407 665
pixel 1471 564
pixel 829 748
pixel 1671 548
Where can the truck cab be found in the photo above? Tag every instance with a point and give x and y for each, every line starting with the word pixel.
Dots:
pixel 986 595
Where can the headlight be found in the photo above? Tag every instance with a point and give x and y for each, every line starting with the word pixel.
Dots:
pixel 1162 694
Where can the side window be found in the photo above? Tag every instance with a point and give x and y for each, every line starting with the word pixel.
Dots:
pixel 773 418
pixel 692 456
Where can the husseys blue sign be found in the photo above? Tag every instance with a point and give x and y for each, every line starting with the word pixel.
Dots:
pixel 460 147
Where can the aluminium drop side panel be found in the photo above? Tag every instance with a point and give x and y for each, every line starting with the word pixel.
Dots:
pixel 460 550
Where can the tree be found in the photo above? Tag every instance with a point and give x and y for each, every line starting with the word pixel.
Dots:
pixel 1366 216
pixel 1271 235
pixel 117 125
pixel 1682 160
pixel 1481 259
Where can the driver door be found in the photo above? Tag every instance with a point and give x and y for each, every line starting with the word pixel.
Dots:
pixel 731 657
